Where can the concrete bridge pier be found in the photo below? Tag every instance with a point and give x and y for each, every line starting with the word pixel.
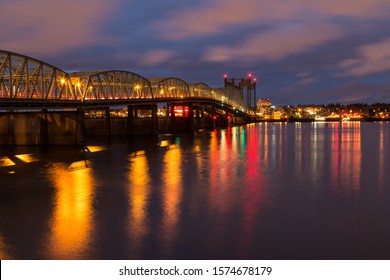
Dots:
pixel 172 119
pixel 154 120
pixel 184 121
pixel 130 120
pixel 44 131
pixel 80 127
pixel 107 120
pixel 42 128
pixel 197 124
pixel 190 118
pixel 142 120
pixel 10 122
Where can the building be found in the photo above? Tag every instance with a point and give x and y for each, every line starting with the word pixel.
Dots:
pixel 264 106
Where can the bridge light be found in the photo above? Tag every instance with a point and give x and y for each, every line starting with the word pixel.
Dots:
pixel 249 75
pixel 78 85
pixel 62 81
pixel 215 117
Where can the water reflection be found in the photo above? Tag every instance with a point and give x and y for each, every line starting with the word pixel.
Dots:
pixel 3 250
pixel 139 191
pixel 6 161
pixel 27 158
pixel 381 153
pixel 171 198
pixel 347 155
pixel 252 194
pixel 214 170
pixel 72 221
pixel 291 191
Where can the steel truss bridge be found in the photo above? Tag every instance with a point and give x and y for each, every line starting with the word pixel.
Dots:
pixel 29 83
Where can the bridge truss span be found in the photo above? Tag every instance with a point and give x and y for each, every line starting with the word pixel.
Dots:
pixel 201 90
pixel 111 85
pixel 173 87
pixel 23 77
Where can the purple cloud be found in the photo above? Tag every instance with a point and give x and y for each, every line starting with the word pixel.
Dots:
pixel 52 26
pixel 371 59
pixel 219 16
pixel 275 44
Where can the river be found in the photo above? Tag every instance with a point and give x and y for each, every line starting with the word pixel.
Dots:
pixel 259 191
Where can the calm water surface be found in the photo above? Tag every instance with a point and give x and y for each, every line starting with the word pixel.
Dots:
pixel 261 191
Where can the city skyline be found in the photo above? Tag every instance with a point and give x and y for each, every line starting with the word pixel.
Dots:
pixel 300 51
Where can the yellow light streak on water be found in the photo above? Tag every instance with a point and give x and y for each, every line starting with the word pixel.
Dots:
pixel 6 161
pixel 172 178
pixel 3 251
pixel 164 143
pixel 27 158
pixel 72 220
pixel 95 149
pixel 139 190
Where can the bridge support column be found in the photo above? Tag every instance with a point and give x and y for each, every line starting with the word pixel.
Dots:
pixel 44 133
pixel 172 117
pixel 11 129
pixel 190 117
pixel 142 120
pixel 197 118
pixel 154 120
pixel 130 120
pixel 80 127
pixel 214 116
pixel 108 120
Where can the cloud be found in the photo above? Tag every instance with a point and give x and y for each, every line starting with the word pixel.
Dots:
pixel 219 16
pixel 156 57
pixel 275 44
pixel 371 59
pixel 301 85
pixel 52 26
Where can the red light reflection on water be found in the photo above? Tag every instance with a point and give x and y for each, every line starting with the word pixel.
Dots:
pixel 346 155
pixel 252 193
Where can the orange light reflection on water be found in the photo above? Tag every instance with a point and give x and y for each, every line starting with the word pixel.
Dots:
pixel 72 220
pixel 27 158
pixel 139 190
pixel 172 192
pixel 6 161
pixel 3 250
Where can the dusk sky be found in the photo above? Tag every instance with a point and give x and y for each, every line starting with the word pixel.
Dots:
pixel 301 51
